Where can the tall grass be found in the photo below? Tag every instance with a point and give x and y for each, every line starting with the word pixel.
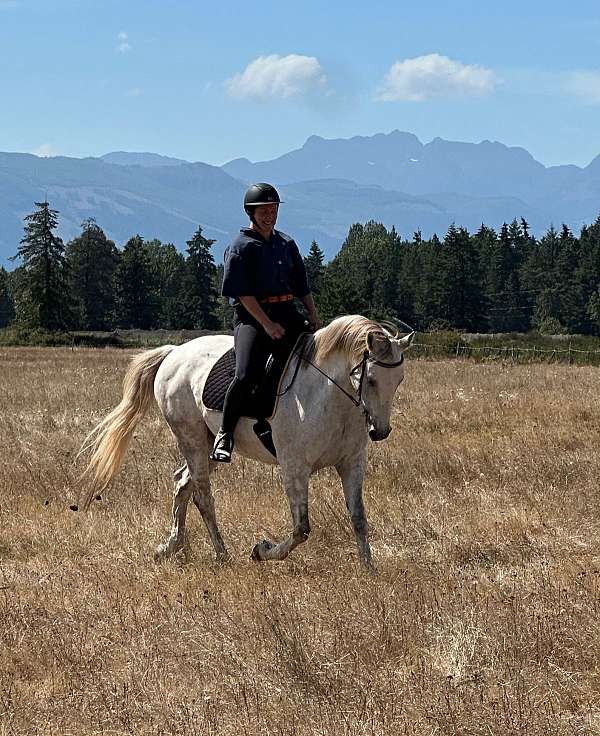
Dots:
pixel 483 619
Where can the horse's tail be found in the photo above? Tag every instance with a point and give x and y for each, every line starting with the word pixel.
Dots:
pixel 109 440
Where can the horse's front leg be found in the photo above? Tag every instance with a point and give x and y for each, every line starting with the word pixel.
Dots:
pixel 296 488
pixel 351 472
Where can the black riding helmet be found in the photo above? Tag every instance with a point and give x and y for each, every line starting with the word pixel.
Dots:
pixel 261 193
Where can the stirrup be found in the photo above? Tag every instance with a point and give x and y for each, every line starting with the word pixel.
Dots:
pixel 223 447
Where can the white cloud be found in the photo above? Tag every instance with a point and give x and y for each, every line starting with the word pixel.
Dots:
pixel 433 75
pixel 46 150
pixel 585 85
pixel 124 45
pixel 8 4
pixel 134 92
pixel 271 77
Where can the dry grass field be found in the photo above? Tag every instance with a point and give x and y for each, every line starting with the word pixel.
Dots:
pixel 484 617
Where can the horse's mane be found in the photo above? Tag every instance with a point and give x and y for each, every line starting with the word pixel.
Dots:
pixel 347 335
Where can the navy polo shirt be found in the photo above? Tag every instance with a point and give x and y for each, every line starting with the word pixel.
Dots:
pixel 260 268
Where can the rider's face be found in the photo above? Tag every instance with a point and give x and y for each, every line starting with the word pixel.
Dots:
pixel 265 216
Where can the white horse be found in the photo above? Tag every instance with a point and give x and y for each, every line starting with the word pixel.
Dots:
pixel 340 395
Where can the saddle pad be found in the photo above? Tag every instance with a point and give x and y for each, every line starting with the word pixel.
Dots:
pixel 261 404
pixel 217 383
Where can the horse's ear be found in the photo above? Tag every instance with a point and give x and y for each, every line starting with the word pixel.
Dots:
pixel 377 343
pixel 405 342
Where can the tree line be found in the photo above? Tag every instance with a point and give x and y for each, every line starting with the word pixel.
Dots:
pixel 89 284
pixel 483 282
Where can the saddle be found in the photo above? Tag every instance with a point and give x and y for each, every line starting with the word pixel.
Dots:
pixel 262 401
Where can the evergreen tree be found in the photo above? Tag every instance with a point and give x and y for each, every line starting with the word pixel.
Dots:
pixel 461 303
pixel 409 277
pixel 350 264
pixel 550 274
pixel 572 298
pixel 167 267
pixel 93 261
pixel 385 254
pixel 338 294
pixel 135 304
pixel 429 288
pixel 199 293
pixel 7 305
pixel 593 311
pixel 315 269
pixel 506 310
pixel 224 310
pixel 363 277
pixel 43 299
pixel 587 274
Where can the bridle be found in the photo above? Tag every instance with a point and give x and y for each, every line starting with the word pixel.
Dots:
pixel 366 359
pixel 362 366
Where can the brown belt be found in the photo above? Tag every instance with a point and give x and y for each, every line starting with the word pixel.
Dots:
pixel 277 299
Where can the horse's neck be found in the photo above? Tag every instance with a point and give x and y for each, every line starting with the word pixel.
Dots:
pixel 315 383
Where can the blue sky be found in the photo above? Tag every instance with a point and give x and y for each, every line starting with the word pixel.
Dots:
pixel 214 81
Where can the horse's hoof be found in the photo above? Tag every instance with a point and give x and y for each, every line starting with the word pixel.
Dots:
pixel 260 548
pixel 163 552
pixel 160 553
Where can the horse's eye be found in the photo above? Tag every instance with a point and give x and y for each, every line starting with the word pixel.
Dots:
pixel 371 382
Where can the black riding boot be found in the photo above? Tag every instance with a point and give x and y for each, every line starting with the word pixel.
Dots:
pixel 232 410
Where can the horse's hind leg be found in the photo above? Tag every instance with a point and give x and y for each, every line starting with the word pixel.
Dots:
pixel 181 497
pixel 192 479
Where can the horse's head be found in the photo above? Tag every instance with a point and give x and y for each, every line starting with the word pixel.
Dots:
pixel 382 372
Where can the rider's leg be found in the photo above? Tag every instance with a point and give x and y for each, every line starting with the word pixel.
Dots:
pixel 249 348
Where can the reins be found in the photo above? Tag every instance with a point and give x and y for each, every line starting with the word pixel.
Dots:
pixel 362 365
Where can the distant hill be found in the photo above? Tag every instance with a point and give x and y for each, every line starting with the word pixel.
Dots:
pixel 123 158
pixel 399 161
pixel 167 202
pixel 327 185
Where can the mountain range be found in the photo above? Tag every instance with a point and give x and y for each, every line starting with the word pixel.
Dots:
pixel 327 185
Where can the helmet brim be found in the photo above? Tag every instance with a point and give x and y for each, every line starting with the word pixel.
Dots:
pixel 257 204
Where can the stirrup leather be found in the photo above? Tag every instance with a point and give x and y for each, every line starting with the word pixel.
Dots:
pixel 223 447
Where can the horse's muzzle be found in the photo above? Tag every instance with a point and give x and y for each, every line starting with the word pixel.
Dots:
pixel 378 435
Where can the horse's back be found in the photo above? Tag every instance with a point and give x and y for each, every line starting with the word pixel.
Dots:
pixel 187 366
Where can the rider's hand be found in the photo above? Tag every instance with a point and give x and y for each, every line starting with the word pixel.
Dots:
pixel 274 331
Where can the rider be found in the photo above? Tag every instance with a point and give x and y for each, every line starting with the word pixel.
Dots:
pixel 264 271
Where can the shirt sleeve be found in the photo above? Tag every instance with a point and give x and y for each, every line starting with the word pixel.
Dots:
pixel 238 276
pixel 299 283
